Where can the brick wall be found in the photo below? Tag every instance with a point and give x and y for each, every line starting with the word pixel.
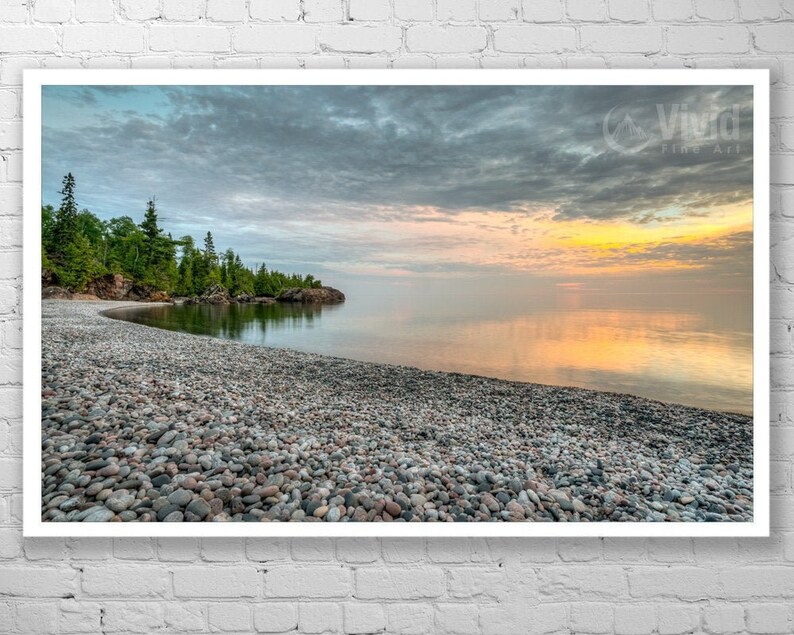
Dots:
pixel 631 586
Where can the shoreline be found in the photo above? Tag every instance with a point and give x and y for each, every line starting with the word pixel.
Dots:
pixel 142 305
pixel 216 429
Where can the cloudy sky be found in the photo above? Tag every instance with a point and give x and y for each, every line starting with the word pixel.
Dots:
pixel 570 183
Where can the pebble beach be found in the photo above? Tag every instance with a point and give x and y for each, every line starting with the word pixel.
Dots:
pixel 146 425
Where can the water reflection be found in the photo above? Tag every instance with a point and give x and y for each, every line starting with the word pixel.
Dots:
pixel 251 323
pixel 669 356
pixel 691 349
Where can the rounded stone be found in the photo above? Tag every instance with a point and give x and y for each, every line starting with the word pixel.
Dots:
pixel 101 515
pixel 321 511
pixel 393 509
pixel 180 497
pixel 109 470
pixel 199 507
pixel 271 490
pixel 120 503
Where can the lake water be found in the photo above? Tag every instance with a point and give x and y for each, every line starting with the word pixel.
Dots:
pixel 694 349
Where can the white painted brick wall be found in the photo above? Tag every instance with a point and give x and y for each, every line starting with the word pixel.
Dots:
pixel 392 585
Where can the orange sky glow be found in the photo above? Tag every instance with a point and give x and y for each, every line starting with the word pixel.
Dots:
pixel 537 242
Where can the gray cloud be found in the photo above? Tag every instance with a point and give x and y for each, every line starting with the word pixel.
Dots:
pixel 248 157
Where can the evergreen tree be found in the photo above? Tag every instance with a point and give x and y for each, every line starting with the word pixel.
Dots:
pixel 91 227
pixel 80 264
pixel 125 243
pixel 149 224
pixel 169 274
pixel 152 245
pixel 209 249
pixel 261 281
pixel 158 253
pixel 211 269
pixel 185 271
pixel 65 226
pixel 47 228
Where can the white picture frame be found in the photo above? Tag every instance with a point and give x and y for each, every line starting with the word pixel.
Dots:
pixel 34 80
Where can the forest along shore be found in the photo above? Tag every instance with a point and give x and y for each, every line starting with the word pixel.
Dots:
pixel 143 424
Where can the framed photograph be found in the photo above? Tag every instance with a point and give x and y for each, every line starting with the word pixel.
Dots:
pixel 396 303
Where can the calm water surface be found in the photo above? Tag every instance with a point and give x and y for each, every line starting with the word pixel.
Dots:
pixel 694 349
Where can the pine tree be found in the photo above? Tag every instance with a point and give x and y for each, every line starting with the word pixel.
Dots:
pixel 149 224
pixel 209 249
pixel 159 253
pixel 213 271
pixel 186 285
pixel 66 217
pixel 81 264
pixel 47 227
pixel 152 245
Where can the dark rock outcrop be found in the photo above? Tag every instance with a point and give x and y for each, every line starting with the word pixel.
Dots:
pixel 108 287
pixel 321 295
pixel 159 296
pixel 55 293
pixel 214 294
pixel 111 287
pixel 117 287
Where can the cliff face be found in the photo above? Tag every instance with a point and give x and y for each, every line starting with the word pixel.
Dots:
pixel 107 287
pixel 323 295
pixel 117 287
